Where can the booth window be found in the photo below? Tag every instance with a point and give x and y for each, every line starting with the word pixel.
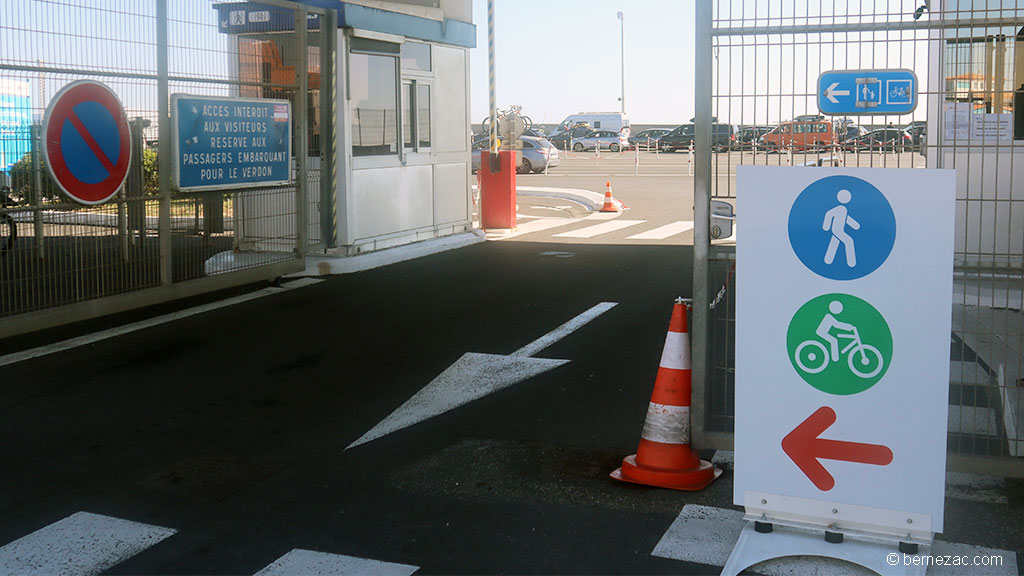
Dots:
pixel 417 77
pixel 416 115
pixel 373 90
pixel 982 71
pixel 423 115
pixel 416 56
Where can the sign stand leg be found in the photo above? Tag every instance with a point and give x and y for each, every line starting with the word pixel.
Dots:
pixel 767 541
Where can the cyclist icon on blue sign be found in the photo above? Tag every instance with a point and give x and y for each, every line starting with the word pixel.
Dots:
pixel 822 221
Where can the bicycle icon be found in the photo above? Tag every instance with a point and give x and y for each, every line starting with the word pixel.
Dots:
pixel 813 356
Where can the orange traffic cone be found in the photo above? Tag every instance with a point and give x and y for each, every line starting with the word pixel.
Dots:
pixel 664 457
pixel 609 202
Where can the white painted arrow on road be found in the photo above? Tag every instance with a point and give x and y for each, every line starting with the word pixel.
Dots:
pixel 831 92
pixel 476 375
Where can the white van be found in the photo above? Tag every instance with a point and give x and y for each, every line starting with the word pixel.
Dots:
pixel 616 121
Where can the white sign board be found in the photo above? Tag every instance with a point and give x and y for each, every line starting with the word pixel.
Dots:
pixel 842 346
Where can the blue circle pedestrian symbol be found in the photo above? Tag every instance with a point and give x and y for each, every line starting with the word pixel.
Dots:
pixel 842 228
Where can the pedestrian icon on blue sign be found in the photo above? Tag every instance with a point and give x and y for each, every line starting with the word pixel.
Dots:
pixel 836 221
pixel 842 228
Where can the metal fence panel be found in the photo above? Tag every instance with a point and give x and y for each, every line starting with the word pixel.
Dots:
pixel 765 59
pixel 58 253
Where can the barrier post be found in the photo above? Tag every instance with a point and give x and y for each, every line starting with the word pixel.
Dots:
pixel 498 190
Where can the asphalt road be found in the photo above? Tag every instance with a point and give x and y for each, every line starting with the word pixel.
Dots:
pixel 232 427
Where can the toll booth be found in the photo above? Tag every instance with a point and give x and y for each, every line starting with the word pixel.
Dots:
pixel 400 128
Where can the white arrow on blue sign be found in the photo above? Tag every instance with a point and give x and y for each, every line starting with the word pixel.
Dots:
pixel 867 92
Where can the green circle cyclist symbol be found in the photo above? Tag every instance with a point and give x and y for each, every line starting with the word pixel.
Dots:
pixel 839 344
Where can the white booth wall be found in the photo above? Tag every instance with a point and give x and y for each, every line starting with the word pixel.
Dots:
pixel 389 200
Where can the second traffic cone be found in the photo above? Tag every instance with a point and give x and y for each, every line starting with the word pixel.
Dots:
pixel 609 202
pixel 664 457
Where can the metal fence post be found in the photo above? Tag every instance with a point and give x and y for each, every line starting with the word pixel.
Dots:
pixel 701 218
pixel 301 125
pixel 164 135
pixel 37 189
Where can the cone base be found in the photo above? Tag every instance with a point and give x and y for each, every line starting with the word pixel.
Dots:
pixel 690 480
pixel 607 208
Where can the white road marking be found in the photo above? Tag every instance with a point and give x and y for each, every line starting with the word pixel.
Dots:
pixel 601 216
pixel 82 544
pixel 144 324
pixel 706 535
pixel 540 225
pixel 663 232
pixel 564 330
pixel 474 376
pixel 598 229
pixel 308 562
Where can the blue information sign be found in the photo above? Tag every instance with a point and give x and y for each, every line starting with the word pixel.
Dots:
pixel 867 92
pixel 222 143
pixel 250 17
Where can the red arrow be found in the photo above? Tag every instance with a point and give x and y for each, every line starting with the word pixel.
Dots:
pixel 805 449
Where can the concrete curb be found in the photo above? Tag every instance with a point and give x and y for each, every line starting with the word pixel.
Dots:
pixel 592 201
pixel 330 265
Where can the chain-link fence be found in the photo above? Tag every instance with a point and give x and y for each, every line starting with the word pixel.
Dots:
pixel 761 62
pixel 155 237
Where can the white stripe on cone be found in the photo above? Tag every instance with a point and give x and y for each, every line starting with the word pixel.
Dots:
pixel 676 353
pixel 667 424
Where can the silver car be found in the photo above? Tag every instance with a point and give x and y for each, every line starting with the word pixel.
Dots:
pixel 537 153
pixel 605 139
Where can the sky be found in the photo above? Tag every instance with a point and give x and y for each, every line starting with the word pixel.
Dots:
pixel 560 57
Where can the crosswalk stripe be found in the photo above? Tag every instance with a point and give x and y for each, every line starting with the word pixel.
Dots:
pixel 543 224
pixel 598 229
pixel 662 232
pixel 83 544
pixel 309 562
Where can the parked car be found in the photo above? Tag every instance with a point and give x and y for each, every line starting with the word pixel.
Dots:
pixel 723 137
pixel 564 140
pixel 647 138
pixel 853 131
pixel 534 156
pixel 603 139
pixel 678 139
pixel 881 140
pixel 916 130
pixel 748 136
pixel 800 135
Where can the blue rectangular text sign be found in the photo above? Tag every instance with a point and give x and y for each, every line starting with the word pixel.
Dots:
pixel 867 92
pixel 224 143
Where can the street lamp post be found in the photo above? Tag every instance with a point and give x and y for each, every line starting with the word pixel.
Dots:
pixel 622 58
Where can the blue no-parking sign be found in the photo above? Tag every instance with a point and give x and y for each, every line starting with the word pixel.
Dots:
pixel 867 92
pixel 86 142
